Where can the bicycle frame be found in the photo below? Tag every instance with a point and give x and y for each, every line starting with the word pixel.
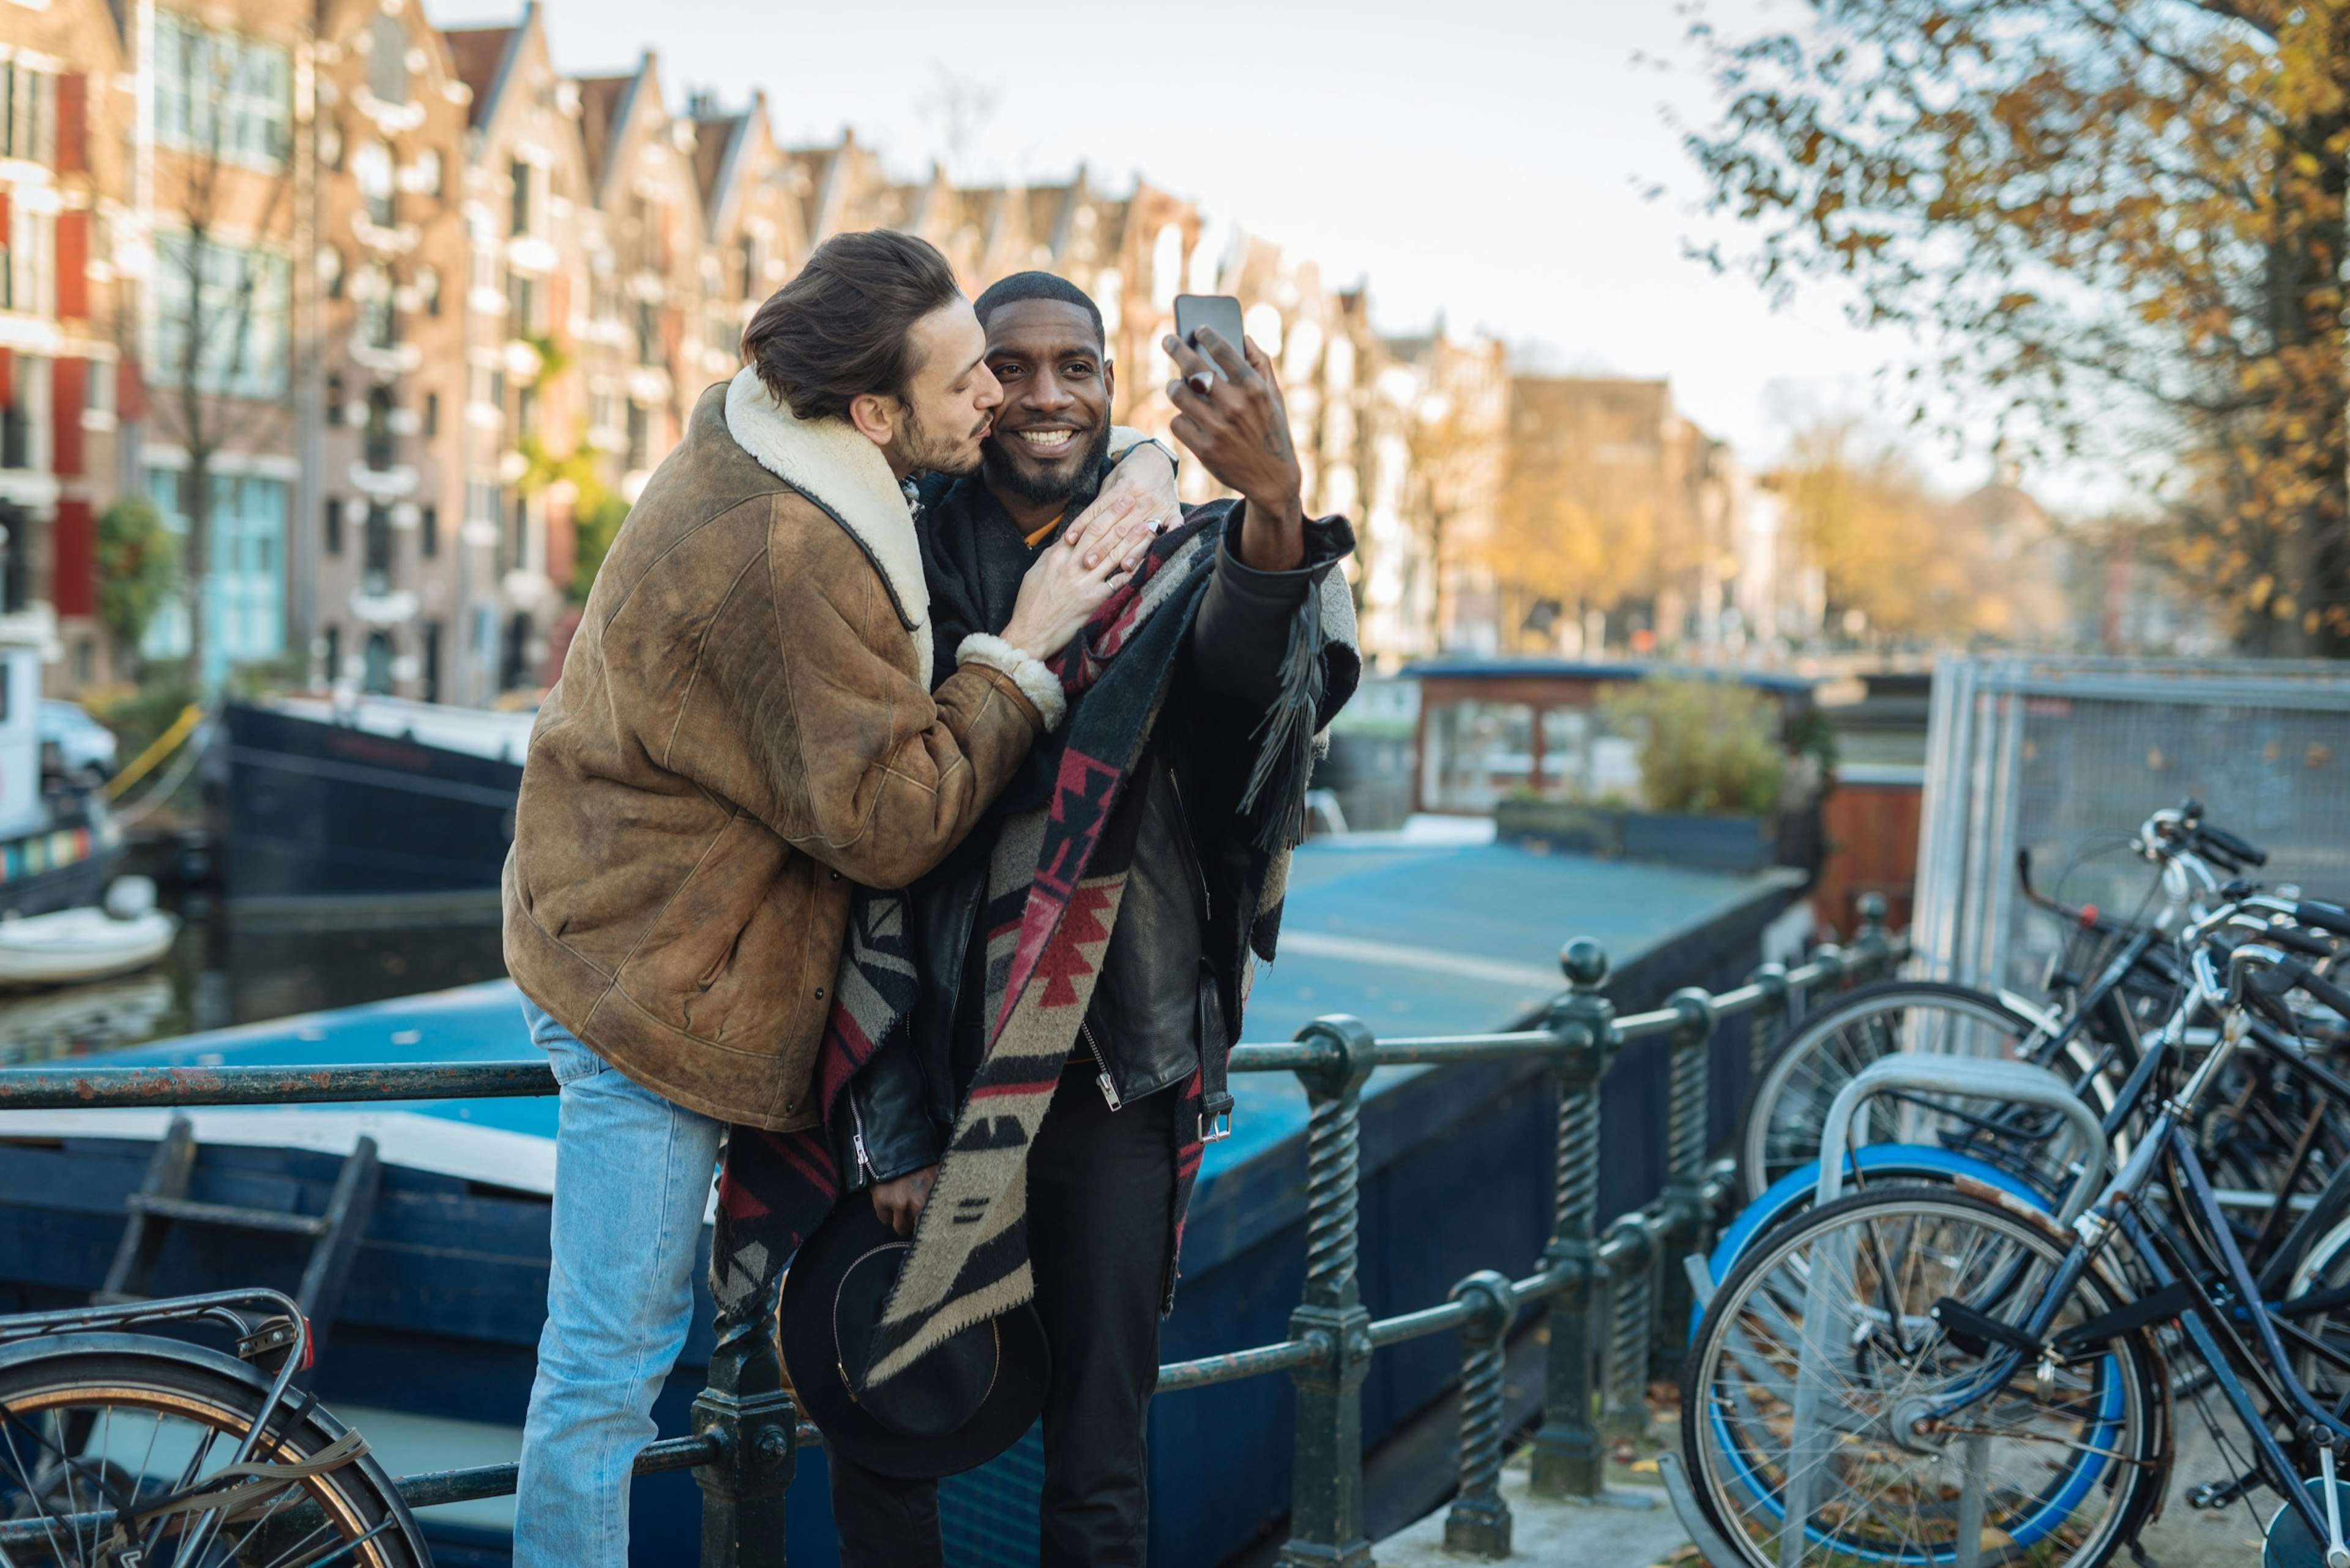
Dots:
pixel 2115 1213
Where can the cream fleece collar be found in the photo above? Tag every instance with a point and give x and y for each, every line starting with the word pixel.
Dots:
pixel 833 466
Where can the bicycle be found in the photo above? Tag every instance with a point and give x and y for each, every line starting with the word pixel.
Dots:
pixel 121 1447
pixel 2093 1041
pixel 1923 1375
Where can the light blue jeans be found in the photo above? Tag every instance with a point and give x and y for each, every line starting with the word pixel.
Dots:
pixel 632 1175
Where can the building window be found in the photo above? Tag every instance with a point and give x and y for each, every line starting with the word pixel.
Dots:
pixel 334 654
pixel 375 667
pixel 334 525
pixel 432 661
pixel 16 431
pixel 221 95
pixel 428 536
pixel 245 591
pixel 432 414
pixel 489 386
pixel 639 437
pixel 334 399
pixel 387 61
pixel 221 311
pixel 525 411
pixel 481 507
pixel 379 321
pixel 27 111
pixel 382 448
pixel 15 556
pixel 522 304
pixel 648 334
pixel 513 659
pixel 519 213
pixel 374 571
pixel 371 168
pixel 517 551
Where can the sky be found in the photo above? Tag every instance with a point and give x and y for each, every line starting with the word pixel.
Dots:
pixel 1508 167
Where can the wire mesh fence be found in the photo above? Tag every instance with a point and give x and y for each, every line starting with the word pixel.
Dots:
pixel 2064 757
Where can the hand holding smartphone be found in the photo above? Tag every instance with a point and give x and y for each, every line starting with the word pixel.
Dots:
pixel 1219 311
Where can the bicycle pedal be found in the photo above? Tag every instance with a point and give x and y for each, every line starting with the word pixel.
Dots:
pixel 2220 1494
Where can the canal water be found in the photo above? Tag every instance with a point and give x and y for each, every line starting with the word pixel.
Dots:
pixel 244 969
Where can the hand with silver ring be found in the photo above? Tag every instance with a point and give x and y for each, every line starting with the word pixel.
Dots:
pixel 1202 383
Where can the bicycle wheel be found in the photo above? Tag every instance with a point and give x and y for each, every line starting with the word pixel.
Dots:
pixel 2318 1303
pixel 1810 1372
pixel 1789 1106
pixel 98 1425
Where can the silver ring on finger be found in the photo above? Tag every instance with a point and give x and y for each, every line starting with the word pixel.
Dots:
pixel 1203 382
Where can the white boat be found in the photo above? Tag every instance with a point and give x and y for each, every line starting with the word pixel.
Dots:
pixel 73 945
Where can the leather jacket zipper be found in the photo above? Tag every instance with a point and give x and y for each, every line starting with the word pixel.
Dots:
pixel 1190 853
pixel 856 1140
pixel 1108 1089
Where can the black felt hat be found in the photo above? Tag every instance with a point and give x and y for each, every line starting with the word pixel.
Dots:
pixel 961 1405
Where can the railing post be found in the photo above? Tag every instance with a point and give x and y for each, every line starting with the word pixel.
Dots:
pixel 1479 1523
pixel 1567 1456
pixel 756 1424
pixel 1875 945
pixel 1835 965
pixel 1326 1510
pixel 1684 1212
pixel 1767 1025
pixel 1627 1258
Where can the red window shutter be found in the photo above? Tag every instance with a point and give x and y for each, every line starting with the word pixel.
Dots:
pixel 130 391
pixel 8 378
pixel 73 587
pixel 73 143
pixel 66 394
pixel 73 265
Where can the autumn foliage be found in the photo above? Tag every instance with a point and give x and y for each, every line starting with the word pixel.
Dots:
pixel 2126 215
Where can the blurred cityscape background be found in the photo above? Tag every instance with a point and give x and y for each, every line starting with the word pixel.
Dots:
pixel 336 342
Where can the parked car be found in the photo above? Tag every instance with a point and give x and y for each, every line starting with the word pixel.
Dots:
pixel 84 745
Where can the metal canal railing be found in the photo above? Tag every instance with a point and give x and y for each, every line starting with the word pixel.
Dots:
pixel 1615 1300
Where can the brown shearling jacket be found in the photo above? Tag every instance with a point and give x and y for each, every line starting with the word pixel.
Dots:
pixel 745 726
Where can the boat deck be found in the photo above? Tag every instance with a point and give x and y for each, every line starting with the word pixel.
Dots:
pixel 1412 937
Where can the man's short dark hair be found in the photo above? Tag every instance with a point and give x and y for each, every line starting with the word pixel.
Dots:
pixel 840 329
pixel 1022 285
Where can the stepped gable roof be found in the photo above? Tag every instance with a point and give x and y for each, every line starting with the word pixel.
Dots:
pixel 603 111
pixel 479 54
pixel 714 139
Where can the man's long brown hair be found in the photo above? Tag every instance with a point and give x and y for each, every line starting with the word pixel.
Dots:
pixel 842 327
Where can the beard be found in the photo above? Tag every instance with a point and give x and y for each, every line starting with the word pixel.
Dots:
pixel 1057 484
pixel 930 453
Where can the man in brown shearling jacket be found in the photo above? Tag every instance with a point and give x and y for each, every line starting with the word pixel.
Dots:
pixel 746 726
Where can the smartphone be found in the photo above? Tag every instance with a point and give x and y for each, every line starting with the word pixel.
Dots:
pixel 1221 311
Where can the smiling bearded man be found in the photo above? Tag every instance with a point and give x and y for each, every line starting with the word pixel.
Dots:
pixel 1083 957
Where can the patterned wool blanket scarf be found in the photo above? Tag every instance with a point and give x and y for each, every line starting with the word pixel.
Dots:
pixel 1063 868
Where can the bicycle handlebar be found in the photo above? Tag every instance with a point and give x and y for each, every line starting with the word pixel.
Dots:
pixel 2324 916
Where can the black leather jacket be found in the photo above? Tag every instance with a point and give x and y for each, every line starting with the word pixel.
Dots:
pixel 1171 979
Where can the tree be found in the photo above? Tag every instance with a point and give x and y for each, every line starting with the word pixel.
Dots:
pixel 1906 566
pixel 138 567
pixel 223 304
pixel 2114 211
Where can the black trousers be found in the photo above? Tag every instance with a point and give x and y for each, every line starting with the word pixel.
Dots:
pixel 1101 1199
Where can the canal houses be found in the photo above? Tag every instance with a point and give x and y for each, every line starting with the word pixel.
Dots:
pixel 389 270
pixel 67 107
